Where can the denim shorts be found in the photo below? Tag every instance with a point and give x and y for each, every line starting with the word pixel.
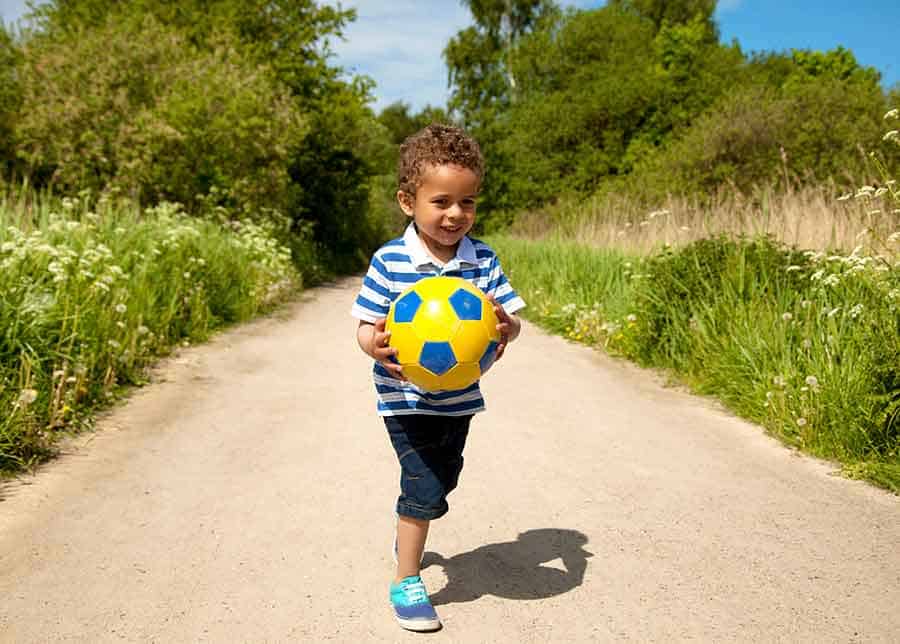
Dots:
pixel 429 449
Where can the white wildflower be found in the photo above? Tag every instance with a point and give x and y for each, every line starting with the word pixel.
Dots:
pixel 631 317
pixel 59 373
pixel 71 380
pixel 807 343
pixel 121 308
pixel 791 269
pixel 801 422
pixel 805 304
pixel 787 316
pixel 812 381
pixel 831 280
pixel 880 192
pixel 834 311
pixel 893 135
pixel 779 381
pixel 845 197
pixel 26 397
pixel 892 114
pixel 142 330
pixel 115 344
pixel 856 310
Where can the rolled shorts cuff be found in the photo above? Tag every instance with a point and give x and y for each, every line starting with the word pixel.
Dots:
pixel 416 512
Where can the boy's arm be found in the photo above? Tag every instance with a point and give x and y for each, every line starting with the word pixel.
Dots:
pixel 373 340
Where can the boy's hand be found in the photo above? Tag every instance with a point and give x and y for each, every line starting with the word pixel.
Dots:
pixel 508 326
pixel 382 352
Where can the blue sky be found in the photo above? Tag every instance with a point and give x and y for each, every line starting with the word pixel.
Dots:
pixel 399 42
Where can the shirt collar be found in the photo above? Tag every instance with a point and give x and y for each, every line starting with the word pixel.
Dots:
pixel 465 251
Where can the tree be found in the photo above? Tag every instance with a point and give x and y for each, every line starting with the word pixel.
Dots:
pixel 10 98
pixel 671 12
pixel 480 59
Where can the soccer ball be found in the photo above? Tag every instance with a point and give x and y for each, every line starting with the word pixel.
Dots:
pixel 445 333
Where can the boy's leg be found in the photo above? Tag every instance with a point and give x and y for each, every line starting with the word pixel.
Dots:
pixel 411 536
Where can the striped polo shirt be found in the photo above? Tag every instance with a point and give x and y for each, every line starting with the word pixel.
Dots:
pixel 394 268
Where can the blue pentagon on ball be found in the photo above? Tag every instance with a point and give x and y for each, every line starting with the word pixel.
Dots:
pixel 437 357
pixel 466 304
pixel 490 354
pixel 405 308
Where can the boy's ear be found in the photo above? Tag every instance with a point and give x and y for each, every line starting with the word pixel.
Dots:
pixel 406 202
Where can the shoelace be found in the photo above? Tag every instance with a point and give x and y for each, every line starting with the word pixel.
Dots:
pixel 415 592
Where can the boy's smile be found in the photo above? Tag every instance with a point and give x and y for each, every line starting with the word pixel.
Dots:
pixel 443 208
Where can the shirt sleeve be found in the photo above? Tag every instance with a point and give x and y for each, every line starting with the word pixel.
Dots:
pixel 374 298
pixel 502 291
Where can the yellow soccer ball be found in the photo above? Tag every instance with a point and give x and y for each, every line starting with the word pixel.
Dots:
pixel 445 333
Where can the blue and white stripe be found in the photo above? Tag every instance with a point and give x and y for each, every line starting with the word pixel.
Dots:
pixel 394 268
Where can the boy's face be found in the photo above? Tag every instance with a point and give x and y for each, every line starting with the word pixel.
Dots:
pixel 443 208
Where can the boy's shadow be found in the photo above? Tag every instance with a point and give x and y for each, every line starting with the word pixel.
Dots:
pixel 514 569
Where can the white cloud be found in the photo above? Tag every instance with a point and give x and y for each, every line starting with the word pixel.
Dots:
pixel 399 43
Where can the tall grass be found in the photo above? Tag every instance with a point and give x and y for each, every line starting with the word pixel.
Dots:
pixel 91 293
pixel 818 217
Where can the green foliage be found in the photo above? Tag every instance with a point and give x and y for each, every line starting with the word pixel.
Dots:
pixel 804 343
pixel 92 293
pixel 134 108
pixel 810 129
pixel 481 59
pixel 597 94
pixel 667 13
pixel 401 123
pixel 10 97
pixel 244 105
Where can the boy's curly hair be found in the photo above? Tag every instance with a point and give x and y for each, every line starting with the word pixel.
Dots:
pixel 436 144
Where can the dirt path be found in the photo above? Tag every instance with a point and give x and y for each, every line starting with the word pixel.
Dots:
pixel 248 498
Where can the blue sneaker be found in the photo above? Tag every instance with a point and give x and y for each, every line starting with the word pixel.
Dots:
pixel 412 607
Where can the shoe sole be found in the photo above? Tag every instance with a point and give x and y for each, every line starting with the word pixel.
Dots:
pixel 419 625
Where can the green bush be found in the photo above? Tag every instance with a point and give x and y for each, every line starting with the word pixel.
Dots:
pixel 134 107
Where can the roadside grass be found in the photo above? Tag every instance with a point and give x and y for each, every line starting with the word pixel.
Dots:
pixel 812 216
pixel 91 293
pixel 804 343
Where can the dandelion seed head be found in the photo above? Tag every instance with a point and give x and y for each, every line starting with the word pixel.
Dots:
pixel 787 316
pixel 26 397
pixel 121 308
pixel 807 343
pixel 801 422
pixel 812 381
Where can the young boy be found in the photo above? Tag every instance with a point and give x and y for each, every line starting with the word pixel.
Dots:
pixel 440 175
